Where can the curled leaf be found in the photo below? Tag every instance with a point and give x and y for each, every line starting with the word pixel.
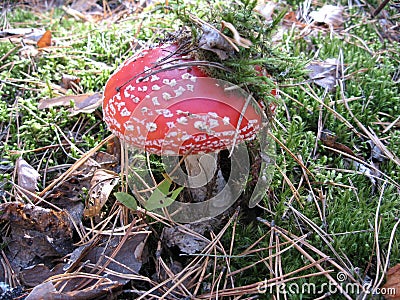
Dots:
pixel 324 73
pixel 27 176
pixel 45 40
pixel 237 39
pixel 69 81
pixel 102 183
pixel 213 40
pixel 330 15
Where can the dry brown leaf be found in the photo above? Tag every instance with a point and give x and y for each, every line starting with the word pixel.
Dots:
pixel 36 234
pixel 128 260
pixel 393 282
pixel 69 81
pixel 213 41
pixel 328 138
pixel 45 40
pixel 27 176
pixel 290 17
pixel 47 291
pixel 330 15
pixel 84 103
pixel 37 274
pixel 188 237
pixel 237 39
pixel 42 291
pixel 324 73
pixel 102 183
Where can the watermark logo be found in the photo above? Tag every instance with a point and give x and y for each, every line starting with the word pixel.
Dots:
pixel 341 286
pixel 176 122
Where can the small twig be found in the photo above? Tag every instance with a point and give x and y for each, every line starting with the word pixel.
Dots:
pixel 291 154
pixel 391 125
pixel 380 7
pixel 75 166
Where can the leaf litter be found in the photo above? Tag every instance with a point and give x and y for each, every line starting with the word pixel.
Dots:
pixel 330 15
pixel 28 177
pixel 324 73
pixel 36 234
pixel 83 103
pixel 101 186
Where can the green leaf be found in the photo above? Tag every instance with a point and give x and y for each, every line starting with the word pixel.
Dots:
pixel 160 197
pixel 176 192
pixel 128 200
pixel 164 186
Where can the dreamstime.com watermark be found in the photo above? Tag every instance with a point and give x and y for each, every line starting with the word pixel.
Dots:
pixel 342 286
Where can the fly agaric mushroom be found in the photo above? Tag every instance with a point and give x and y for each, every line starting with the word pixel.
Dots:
pixel 161 102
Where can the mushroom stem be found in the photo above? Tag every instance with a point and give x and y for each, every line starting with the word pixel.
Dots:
pixel 201 169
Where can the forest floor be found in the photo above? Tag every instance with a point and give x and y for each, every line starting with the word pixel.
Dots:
pixel 327 224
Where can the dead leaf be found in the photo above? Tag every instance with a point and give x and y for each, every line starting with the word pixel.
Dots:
pixel 389 29
pixel 102 183
pixel 290 17
pixel 29 35
pixel 84 103
pixel 266 9
pixel 101 290
pixel 213 41
pixel 85 10
pixel 84 6
pixel 105 160
pixel 188 237
pixel 19 31
pixel 237 39
pixel 42 291
pixel 36 234
pixel 27 176
pixel 69 82
pixel 330 15
pixel 328 138
pixel 168 270
pixel 127 258
pixel 324 73
pixel 28 51
pixel 76 256
pixel 37 274
pixel 45 40
pixel 393 282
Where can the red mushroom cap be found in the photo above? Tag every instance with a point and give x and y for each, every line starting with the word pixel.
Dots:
pixel 155 103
